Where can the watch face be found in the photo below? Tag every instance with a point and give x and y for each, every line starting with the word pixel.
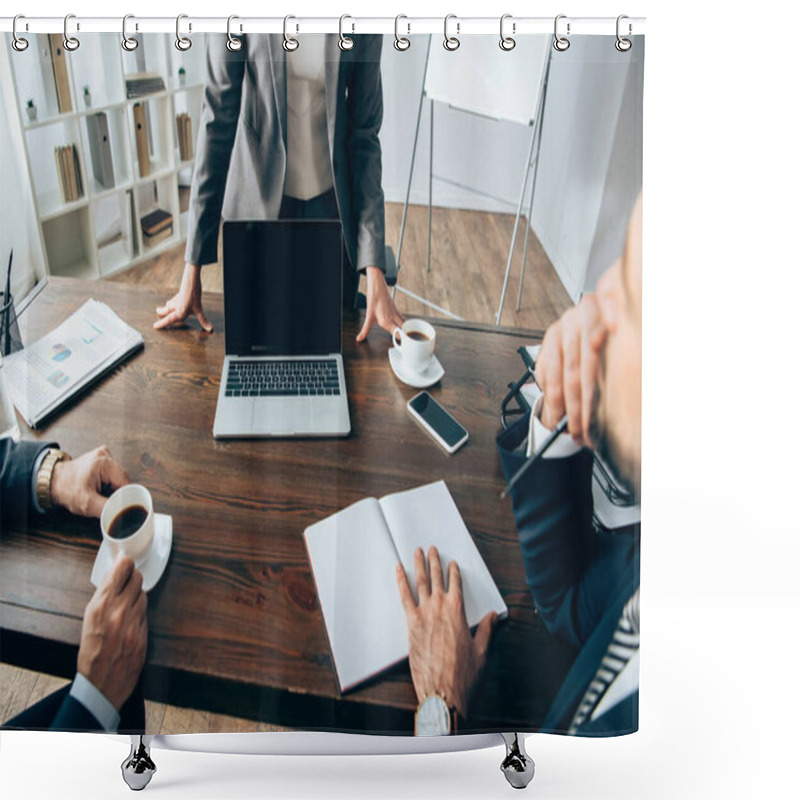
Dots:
pixel 433 717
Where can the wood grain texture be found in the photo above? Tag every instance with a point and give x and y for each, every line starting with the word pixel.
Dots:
pixel 235 626
pixel 468 261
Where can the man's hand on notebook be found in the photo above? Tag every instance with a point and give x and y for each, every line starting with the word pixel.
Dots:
pixel 380 306
pixel 444 657
pixel 186 302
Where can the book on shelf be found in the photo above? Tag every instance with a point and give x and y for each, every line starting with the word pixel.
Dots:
pixel 60 74
pixel 63 363
pixel 100 149
pixel 142 83
pixel 353 555
pixel 156 226
pixel 184 125
pixel 142 139
pixel 60 172
pixel 69 173
pixel 76 168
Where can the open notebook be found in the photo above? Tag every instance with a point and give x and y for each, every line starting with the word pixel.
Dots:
pixel 353 556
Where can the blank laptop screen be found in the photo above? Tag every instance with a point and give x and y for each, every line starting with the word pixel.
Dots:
pixel 283 287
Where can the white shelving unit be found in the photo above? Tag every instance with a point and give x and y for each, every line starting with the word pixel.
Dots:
pixel 100 233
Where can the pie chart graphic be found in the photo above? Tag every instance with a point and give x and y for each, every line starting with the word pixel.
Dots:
pixel 60 352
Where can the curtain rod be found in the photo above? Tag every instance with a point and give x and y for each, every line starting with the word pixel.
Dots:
pixel 460 26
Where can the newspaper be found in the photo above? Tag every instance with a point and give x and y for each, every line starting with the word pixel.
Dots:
pixel 49 372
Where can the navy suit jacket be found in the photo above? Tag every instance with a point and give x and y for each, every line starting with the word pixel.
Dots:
pixel 580 578
pixel 16 506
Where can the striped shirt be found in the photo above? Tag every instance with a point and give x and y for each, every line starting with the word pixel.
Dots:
pixel 618 675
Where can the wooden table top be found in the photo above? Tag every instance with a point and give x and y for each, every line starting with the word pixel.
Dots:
pixel 235 625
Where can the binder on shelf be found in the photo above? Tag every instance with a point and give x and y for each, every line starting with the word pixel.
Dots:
pixel 131 227
pixel 142 144
pixel 60 73
pixel 100 149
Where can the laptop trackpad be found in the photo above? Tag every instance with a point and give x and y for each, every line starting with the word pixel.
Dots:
pixel 276 417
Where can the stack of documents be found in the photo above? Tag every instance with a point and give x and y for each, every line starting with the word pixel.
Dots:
pixel 42 377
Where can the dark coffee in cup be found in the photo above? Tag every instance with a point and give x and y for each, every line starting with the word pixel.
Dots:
pixel 418 336
pixel 127 522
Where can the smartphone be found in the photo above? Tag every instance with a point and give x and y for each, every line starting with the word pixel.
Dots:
pixel 439 423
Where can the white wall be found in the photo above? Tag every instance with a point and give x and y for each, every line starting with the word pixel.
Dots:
pixel 18 226
pixel 590 158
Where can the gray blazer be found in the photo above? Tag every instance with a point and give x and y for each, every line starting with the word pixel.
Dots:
pixel 241 143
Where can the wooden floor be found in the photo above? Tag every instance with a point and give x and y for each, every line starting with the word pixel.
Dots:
pixel 469 254
pixel 468 261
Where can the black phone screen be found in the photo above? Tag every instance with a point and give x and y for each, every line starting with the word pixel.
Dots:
pixel 439 419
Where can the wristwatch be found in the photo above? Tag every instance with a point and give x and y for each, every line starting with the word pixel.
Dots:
pixel 435 717
pixel 44 478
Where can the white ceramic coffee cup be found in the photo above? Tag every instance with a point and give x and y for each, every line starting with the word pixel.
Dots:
pixel 138 544
pixel 416 353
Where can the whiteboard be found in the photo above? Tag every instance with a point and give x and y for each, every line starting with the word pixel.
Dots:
pixel 481 78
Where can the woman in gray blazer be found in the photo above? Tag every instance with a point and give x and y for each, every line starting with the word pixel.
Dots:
pixel 290 135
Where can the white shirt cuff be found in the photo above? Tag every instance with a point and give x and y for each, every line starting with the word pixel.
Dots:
pixel 34 475
pixel 563 447
pixel 95 702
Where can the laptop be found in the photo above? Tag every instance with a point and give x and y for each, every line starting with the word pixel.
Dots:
pixel 283 373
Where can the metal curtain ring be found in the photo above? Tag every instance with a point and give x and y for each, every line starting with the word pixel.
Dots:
pixel 290 44
pixel 561 43
pixel 400 42
pixel 623 45
pixel 128 42
pixel 18 43
pixel 70 42
pixel 507 42
pixel 345 42
pixel 451 42
pixel 183 43
pixel 233 44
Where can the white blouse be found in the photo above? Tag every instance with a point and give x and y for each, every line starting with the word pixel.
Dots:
pixel 308 169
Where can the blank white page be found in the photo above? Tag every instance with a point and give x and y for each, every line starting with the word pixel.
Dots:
pixel 428 516
pixel 353 562
pixel 481 78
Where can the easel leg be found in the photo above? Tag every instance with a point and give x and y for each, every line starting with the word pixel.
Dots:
pixel 430 192
pixel 517 766
pixel 138 768
pixel 516 226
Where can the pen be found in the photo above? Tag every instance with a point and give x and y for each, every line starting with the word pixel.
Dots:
pixel 7 302
pixel 557 431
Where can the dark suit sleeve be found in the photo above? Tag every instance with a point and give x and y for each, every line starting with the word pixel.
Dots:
pixel 364 118
pixel 16 468
pixel 59 711
pixel 573 571
pixel 74 716
pixel 219 119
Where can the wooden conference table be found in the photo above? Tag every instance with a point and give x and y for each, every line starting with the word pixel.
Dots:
pixel 235 626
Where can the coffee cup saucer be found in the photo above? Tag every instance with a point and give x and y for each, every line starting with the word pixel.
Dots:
pixel 152 564
pixel 432 373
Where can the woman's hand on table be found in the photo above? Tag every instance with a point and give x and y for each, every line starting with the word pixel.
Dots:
pixel 187 302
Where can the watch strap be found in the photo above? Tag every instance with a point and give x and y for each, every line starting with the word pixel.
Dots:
pixel 44 477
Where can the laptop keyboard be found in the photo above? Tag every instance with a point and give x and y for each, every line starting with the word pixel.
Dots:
pixel 282 378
